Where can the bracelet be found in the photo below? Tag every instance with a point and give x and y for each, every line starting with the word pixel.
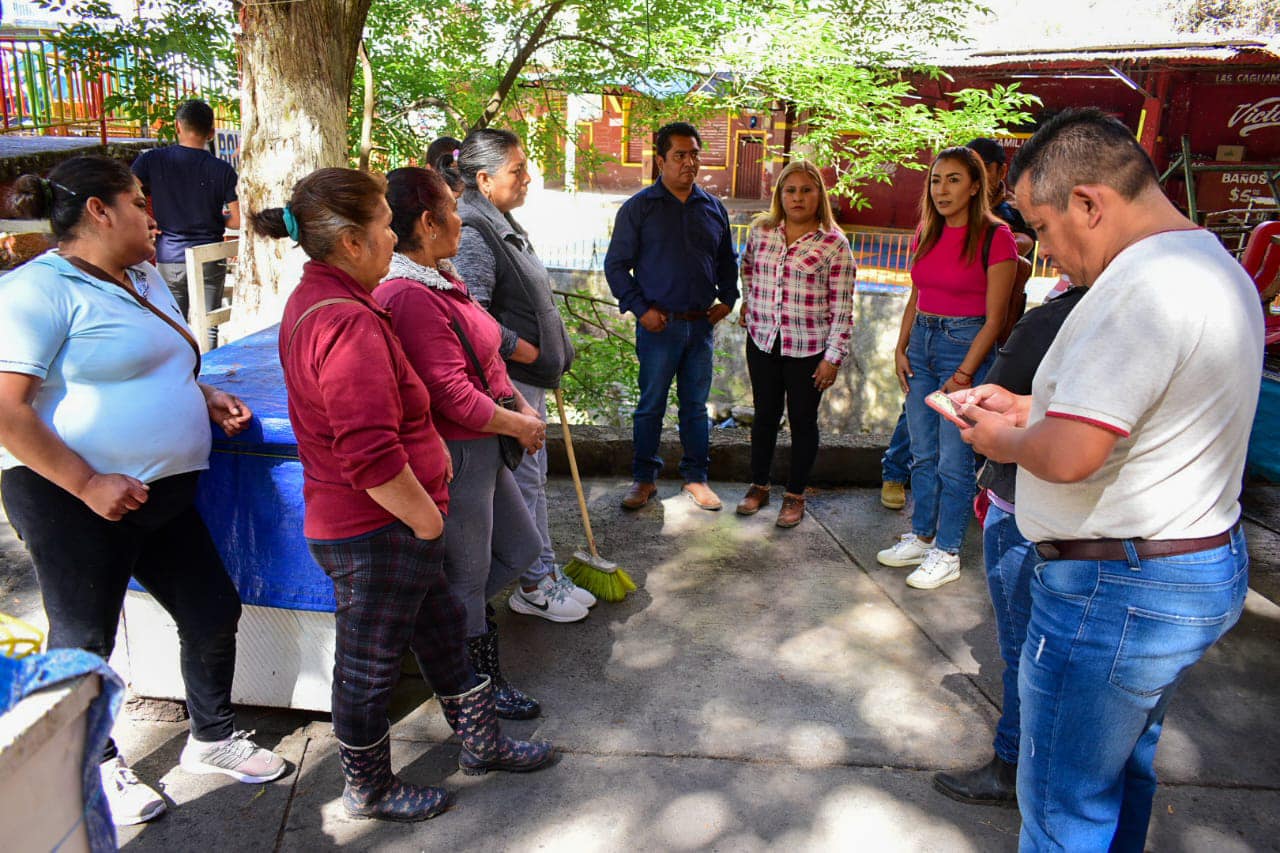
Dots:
pixel 963 383
pixel 960 372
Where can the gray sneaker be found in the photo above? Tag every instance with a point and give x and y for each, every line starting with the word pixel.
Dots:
pixel 237 756
pixel 549 600
pixel 577 593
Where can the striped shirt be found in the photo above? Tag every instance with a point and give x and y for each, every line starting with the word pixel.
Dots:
pixel 802 292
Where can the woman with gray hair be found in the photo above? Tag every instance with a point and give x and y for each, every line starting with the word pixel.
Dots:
pixel 502 272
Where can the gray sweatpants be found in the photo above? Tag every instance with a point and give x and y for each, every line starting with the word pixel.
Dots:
pixel 531 476
pixel 480 557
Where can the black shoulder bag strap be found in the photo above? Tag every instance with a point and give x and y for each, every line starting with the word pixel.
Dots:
pixel 986 245
pixel 471 354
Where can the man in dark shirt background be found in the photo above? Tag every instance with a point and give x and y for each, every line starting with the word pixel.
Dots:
pixel 670 259
pixel 997 165
pixel 189 188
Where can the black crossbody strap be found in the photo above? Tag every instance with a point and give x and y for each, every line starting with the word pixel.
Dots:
pixel 471 353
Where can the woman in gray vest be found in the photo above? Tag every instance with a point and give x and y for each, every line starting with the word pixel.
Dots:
pixel 501 271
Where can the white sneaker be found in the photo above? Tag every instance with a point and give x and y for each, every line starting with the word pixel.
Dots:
pixel 237 756
pixel 907 551
pixel 130 801
pixel 549 600
pixel 577 593
pixel 938 568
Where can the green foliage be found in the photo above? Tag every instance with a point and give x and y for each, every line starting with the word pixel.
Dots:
pixel 170 51
pixel 867 98
pixel 602 386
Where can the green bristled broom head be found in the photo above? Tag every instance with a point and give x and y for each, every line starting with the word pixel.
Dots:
pixel 603 579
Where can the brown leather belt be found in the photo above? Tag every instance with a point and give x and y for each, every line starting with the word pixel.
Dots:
pixel 687 315
pixel 1113 549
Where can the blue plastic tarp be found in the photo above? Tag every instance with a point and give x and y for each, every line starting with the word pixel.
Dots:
pixel 251 496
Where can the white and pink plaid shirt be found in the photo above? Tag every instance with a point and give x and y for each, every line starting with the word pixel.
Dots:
pixel 803 292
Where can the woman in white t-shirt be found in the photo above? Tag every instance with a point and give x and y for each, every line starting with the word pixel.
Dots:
pixel 105 431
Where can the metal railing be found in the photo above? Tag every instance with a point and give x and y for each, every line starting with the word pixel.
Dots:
pixel 44 92
pixel 883 256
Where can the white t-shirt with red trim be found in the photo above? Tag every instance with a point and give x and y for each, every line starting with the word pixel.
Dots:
pixel 1166 352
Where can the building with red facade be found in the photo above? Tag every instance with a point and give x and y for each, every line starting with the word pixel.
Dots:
pixel 1222 97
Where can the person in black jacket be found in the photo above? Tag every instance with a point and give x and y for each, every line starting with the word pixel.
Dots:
pixel 1010 559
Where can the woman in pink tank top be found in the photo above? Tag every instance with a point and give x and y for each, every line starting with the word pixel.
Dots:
pixel 959 295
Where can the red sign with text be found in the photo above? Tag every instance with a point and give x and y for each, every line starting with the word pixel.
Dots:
pixel 1226 113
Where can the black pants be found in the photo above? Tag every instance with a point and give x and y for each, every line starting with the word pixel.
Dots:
pixel 84 563
pixel 391 594
pixel 776 379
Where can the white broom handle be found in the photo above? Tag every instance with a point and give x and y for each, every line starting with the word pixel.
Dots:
pixel 573 469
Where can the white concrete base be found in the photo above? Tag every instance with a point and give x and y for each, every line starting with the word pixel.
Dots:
pixel 284 658
pixel 41 754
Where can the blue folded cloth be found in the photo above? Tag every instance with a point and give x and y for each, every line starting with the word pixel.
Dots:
pixel 20 678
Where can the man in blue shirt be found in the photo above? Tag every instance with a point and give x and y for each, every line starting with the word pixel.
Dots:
pixel 671 258
pixel 189 188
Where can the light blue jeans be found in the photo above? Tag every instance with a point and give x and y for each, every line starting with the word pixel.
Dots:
pixel 531 477
pixel 943 483
pixel 1010 561
pixel 1106 645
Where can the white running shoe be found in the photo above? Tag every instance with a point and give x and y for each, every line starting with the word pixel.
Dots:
pixel 938 568
pixel 907 551
pixel 549 600
pixel 577 593
pixel 237 756
pixel 130 800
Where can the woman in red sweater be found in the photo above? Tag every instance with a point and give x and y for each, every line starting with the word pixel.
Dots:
pixel 375 475
pixel 433 314
pixel 962 267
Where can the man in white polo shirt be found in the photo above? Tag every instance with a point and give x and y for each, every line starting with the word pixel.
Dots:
pixel 1130 453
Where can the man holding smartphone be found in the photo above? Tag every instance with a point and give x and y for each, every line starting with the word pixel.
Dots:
pixel 1152 383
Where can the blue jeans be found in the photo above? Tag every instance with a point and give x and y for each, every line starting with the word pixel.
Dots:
pixel 1106 645
pixel 895 465
pixel 942 477
pixel 1010 560
pixel 681 351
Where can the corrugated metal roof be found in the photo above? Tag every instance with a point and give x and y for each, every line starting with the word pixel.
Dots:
pixel 1171 53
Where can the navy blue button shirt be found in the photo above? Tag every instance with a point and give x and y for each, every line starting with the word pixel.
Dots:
pixel 671 254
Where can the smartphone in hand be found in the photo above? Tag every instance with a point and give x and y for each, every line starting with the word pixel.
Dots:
pixel 945 406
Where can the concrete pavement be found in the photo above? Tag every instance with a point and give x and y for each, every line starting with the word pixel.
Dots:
pixel 764 689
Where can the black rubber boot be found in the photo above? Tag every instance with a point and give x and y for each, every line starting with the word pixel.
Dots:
pixel 373 791
pixel 994 784
pixel 512 703
pixel 484 746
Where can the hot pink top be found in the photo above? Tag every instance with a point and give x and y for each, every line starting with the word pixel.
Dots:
pixel 948 285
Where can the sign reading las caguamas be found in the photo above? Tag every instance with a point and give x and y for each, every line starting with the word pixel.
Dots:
pixel 1256 116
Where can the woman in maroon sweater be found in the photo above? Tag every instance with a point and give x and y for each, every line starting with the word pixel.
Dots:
pixel 375 475
pixel 431 313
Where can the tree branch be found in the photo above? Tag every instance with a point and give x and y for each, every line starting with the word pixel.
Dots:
pixel 518 62
pixel 438 103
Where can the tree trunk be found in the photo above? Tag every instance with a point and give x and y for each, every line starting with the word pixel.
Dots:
pixel 297 61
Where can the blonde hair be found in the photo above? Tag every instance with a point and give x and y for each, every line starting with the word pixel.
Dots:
pixel 773 217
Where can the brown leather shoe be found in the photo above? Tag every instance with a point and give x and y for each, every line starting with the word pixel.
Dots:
pixel 638 495
pixel 757 496
pixel 701 494
pixel 792 512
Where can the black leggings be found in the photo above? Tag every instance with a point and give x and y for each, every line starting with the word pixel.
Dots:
pixel 84 563
pixel 775 378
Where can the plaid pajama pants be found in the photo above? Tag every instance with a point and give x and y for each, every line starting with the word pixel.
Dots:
pixel 392 595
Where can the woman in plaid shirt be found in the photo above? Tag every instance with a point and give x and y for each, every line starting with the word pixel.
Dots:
pixel 797 288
